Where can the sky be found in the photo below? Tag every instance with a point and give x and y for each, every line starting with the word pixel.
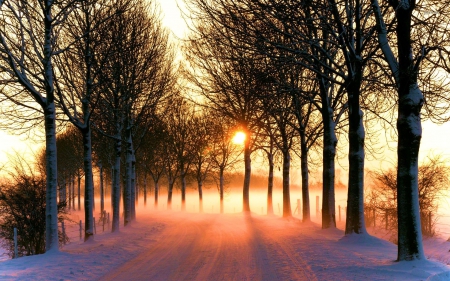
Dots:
pixel 173 17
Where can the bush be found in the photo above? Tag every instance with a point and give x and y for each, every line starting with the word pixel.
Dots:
pixel 22 206
pixel 433 180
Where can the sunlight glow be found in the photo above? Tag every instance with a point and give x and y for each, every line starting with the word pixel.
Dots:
pixel 239 138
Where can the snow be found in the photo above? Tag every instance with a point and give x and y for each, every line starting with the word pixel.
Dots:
pixel 173 245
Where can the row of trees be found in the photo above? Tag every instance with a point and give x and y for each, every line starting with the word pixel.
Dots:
pixel 184 144
pixel 96 64
pixel 309 69
pixel 294 76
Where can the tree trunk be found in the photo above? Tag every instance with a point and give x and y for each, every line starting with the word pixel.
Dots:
pixel 79 192
pixel 69 197
pixel 221 189
pixel 286 182
pixel 409 128
pixel 156 192
pixel 136 185
pixel 127 188
pixel 329 153
pixel 355 200
pixel 169 194
pixel 116 185
pixel 200 195
pixel 51 207
pixel 133 185
pixel 183 188
pixel 247 174
pixel 65 190
pixel 93 191
pixel 305 176
pixel 102 191
pixel 409 135
pixel 73 191
pixel 270 185
pixel 62 191
pixel 145 190
pixel 88 185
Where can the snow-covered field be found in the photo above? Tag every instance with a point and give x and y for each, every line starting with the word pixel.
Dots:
pixel 171 245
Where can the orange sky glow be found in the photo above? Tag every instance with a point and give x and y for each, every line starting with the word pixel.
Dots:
pixel 434 139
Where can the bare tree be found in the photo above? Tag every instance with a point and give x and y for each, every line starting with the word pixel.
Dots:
pixel 180 119
pixel 269 148
pixel 224 154
pixel 22 206
pixel 433 182
pixel 202 139
pixel 405 65
pixel 293 33
pixel 225 74
pixel 136 77
pixel 69 153
pixel 152 156
pixel 80 68
pixel 277 106
pixel 29 37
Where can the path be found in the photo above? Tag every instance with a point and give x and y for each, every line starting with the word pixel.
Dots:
pixel 217 248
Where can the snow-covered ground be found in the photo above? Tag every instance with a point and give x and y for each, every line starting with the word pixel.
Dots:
pixel 171 245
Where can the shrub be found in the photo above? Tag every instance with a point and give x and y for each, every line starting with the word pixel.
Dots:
pixel 433 180
pixel 22 206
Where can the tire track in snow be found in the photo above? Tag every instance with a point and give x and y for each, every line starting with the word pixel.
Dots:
pixel 285 259
pixel 165 258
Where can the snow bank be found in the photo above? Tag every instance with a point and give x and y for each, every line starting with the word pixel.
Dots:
pixel 184 246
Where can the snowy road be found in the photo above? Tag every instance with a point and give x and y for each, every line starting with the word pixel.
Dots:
pixel 240 247
pixel 167 245
pixel 217 248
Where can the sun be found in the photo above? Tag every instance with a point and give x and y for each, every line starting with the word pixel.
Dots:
pixel 239 138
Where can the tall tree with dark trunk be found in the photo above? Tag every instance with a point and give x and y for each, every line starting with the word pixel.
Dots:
pixel 277 106
pixel 358 48
pixel 150 78
pixel 414 47
pixel 80 69
pixel 29 40
pixel 136 77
